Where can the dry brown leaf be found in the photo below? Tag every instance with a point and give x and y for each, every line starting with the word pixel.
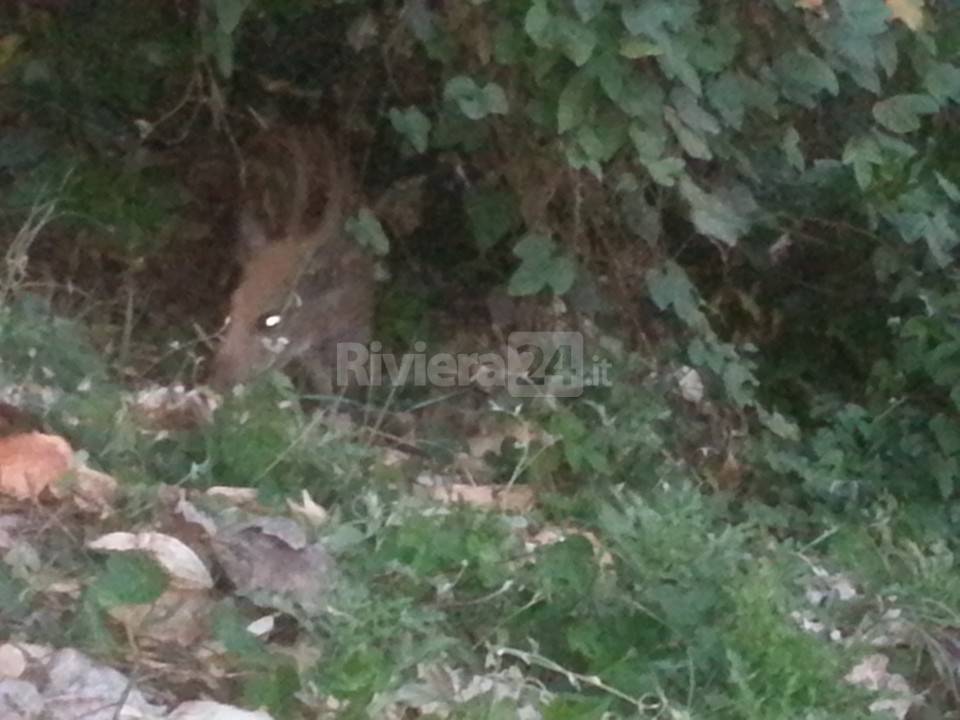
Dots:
pixel 270 559
pixel 490 497
pixel 31 462
pixel 91 490
pixel 185 568
pixel 909 12
pixel 177 616
pixel 176 408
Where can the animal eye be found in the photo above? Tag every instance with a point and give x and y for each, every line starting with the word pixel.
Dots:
pixel 269 321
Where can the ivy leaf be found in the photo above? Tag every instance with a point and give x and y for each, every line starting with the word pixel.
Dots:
pixel 804 75
pixel 413 125
pixel 691 112
pixel 862 153
pixel 492 215
pixel 724 215
pixel 866 17
pixel 791 148
pixel 367 230
pixel 942 81
pixel 670 287
pixel 949 188
pixel 640 97
pixel 476 102
pixel 575 40
pixel 588 9
pixel 538 24
pixel 901 113
pixel 693 144
pixel 778 424
pixel 541 267
pixel 726 95
pixel 574 101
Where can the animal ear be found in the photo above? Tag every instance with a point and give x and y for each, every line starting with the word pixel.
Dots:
pixel 253 235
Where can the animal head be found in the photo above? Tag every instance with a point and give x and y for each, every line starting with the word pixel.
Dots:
pixel 304 287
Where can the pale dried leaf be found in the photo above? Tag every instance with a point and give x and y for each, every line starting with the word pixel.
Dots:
pixel 262 626
pixel 309 509
pixel 185 568
pixel 490 497
pixel 237 495
pixel 209 710
pixel 77 687
pixel 691 385
pixel 12 661
pixel 31 462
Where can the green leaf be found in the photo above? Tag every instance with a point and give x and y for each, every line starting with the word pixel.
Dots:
pixel 666 171
pixel 670 287
pixel 229 14
pixel 865 17
pixel 654 17
pixel 222 51
pixel 475 102
pixel 575 40
pixel 862 153
pixel 724 215
pixel 791 148
pixel 693 144
pixel 725 93
pixel 804 75
pixel 942 81
pixel 129 578
pixel 640 97
pixel 778 424
pixel 413 125
pixel 692 113
pixel 949 188
pixel 538 24
pixel 492 215
pixel 947 432
pixel 650 142
pixel 508 44
pixel 901 113
pixel 368 232
pixel 496 99
pixel 541 267
pixel 574 101
pixel 588 9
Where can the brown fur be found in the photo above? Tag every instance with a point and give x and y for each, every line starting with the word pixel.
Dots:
pixel 297 264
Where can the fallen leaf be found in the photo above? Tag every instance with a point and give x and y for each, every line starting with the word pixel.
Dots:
pixel 177 616
pixel 89 489
pixel 12 661
pixel 270 561
pixel 490 497
pixel 185 568
pixel 209 710
pixel 31 462
pixel 314 513
pixel 77 687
